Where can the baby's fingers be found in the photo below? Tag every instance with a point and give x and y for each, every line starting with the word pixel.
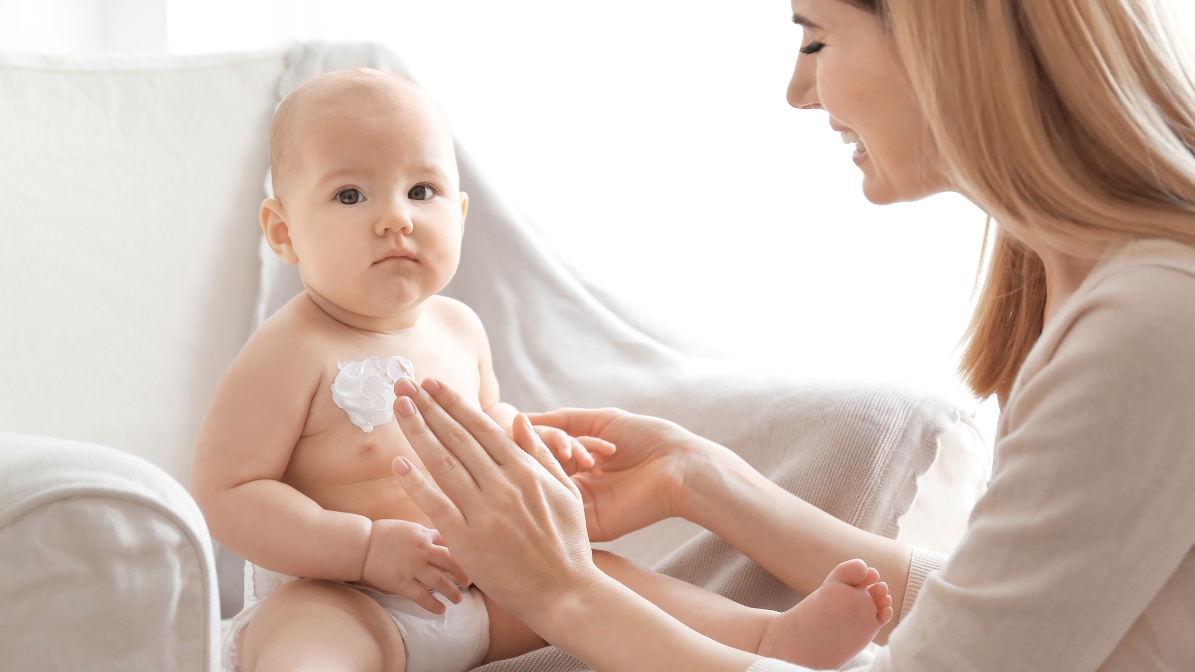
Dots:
pixel 581 456
pixel 434 579
pixel 598 446
pixel 441 558
pixel 558 442
pixel 416 592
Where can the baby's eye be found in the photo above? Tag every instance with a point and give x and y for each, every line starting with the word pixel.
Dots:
pixel 421 192
pixel 350 196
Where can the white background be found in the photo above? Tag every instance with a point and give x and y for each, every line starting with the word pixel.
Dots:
pixel 651 141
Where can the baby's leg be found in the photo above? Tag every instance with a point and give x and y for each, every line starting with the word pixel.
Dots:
pixel 509 637
pixel 824 630
pixel 308 624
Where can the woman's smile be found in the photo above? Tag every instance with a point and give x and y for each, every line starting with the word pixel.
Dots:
pixel 850 137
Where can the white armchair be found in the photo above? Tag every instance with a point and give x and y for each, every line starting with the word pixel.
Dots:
pixel 132 274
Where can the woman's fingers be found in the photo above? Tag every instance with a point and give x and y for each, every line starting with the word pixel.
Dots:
pixel 443 512
pixel 463 428
pixel 529 441
pixel 450 455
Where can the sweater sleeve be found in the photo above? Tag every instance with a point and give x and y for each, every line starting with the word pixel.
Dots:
pixel 1090 514
pixel 921 565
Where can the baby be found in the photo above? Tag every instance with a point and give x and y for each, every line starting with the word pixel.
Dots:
pixel 292 464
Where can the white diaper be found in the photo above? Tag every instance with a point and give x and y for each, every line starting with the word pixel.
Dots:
pixel 455 641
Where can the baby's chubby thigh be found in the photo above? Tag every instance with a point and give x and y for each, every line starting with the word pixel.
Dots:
pixel 509 636
pixel 320 625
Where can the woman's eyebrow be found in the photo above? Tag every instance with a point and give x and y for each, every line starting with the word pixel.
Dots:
pixel 802 21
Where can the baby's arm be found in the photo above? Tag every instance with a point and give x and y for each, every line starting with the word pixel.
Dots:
pixel 254 421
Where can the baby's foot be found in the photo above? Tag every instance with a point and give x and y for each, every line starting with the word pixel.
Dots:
pixel 835 622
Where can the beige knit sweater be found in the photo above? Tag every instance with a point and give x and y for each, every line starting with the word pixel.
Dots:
pixel 1079 557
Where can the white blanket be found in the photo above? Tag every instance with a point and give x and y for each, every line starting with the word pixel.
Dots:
pixel 855 450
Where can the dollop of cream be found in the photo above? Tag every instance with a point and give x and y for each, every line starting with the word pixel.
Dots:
pixel 365 389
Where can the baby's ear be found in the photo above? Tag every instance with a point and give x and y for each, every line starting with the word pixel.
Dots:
pixel 273 225
pixel 464 208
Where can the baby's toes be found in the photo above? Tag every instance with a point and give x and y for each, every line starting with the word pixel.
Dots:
pixel 873 575
pixel 852 573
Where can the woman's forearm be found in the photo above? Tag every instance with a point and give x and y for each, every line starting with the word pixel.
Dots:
pixel 613 629
pixel 794 540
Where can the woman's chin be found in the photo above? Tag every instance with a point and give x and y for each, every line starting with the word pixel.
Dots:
pixel 883 192
pixel 878 192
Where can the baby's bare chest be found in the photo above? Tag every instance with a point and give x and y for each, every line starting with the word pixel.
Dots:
pixel 350 435
pixel 356 396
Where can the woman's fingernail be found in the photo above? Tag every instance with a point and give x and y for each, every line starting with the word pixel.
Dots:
pixel 406 387
pixel 401 466
pixel 404 407
pixel 432 386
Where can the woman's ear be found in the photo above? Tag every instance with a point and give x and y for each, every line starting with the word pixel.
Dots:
pixel 277 232
pixel 464 208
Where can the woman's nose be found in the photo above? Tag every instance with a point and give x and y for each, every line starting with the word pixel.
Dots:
pixel 802 87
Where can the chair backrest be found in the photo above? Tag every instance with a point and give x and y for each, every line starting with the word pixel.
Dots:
pixel 129 190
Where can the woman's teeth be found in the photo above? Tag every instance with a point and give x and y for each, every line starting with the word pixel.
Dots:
pixel 851 137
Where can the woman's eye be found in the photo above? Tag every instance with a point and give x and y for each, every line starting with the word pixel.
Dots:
pixel 421 192
pixel 350 196
pixel 813 47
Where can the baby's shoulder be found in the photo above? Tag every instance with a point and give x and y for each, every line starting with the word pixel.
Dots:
pixel 452 313
pixel 290 337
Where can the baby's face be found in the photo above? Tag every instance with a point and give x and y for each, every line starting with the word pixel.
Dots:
pixel 373 202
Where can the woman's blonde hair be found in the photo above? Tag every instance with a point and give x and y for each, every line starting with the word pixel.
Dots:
pixel 1071 122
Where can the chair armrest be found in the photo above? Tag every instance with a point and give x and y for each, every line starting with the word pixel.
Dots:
pixel 105 562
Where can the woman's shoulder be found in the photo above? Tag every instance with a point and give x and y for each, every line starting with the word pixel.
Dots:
pixel 1122 344
pixel 1138 304
pixel 1158 258
pixel 1147 283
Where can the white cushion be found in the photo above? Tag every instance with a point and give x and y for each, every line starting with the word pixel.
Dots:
pixel 106 560
pixel 129 192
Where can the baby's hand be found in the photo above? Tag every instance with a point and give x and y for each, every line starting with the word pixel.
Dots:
pixel 411 560
pixel 574 454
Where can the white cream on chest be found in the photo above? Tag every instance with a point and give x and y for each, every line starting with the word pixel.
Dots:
pixel 365 389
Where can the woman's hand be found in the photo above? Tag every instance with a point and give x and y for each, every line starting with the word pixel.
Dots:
pixel 513 519
pixel 644 480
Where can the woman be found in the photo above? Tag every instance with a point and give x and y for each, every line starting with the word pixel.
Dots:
pixel 1072 123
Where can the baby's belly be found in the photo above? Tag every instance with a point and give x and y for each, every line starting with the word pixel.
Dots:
pixel 350 472
pixel 377 498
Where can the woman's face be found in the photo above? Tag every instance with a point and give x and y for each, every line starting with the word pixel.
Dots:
pixel 849 67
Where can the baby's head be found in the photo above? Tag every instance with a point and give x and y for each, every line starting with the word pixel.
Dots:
pixel 323 105
pixel 367 197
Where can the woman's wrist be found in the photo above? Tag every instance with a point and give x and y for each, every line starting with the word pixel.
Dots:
pixel 555 616
pixel 705 483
